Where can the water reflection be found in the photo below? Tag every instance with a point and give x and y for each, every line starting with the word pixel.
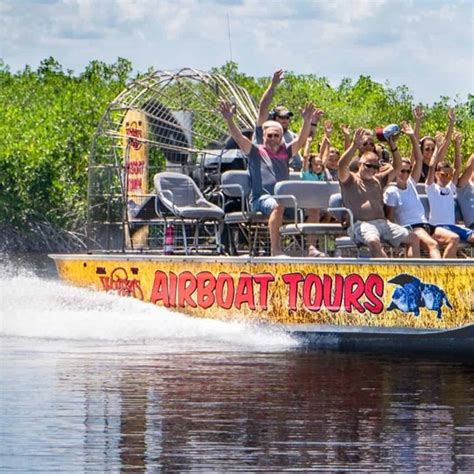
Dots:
pixel 270 412
pixel 91 382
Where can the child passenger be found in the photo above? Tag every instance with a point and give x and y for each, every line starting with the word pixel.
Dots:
pixel 313 168
pixel 313 165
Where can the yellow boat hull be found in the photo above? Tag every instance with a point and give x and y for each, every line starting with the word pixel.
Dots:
pixel 396 293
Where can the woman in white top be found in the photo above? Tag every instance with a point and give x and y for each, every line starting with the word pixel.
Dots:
pixel 441 191
pixel 403 205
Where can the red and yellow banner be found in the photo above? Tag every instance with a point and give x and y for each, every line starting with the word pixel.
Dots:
pixel 406 295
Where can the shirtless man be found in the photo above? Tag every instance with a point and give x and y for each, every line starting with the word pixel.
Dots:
pixel 362 192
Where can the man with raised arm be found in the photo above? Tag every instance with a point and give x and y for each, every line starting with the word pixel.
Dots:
pixel 362 193
pixel 280 114
pixel 268 163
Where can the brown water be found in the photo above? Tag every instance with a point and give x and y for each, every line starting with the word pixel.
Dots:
pixel 92 382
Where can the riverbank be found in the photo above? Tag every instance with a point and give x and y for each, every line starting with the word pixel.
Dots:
pixel 40 238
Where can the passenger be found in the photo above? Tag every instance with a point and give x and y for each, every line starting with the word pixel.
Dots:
pixel 280 114
pixel 313 167
pixel 441 191
pixel 328 153
pixel 383 154
pixel 403 204
pixel 366 144
pixel 362 193
pixel 346 132
pixel 331 161
pixel 268 163
pixel 465 192
pixel 313 170
pixel 428 144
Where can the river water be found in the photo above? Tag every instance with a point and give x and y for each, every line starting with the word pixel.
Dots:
pixel 95 382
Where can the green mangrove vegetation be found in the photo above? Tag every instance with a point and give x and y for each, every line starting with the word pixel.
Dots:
pixel 49 116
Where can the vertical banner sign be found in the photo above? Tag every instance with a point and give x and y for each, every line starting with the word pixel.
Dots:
pixel 135 157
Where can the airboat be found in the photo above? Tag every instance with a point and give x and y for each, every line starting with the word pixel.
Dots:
pixel 169 223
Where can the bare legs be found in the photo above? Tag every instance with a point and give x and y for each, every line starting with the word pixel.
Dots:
pixel 413 243
pixel 313 217
pixel 377 251
pixel 375 248
pixel 448 239
pixel 427 241
pixel 274 223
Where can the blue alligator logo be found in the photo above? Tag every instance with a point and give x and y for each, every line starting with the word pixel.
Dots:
pixel 412 294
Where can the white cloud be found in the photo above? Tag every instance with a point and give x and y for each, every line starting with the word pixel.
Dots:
pixel 425 44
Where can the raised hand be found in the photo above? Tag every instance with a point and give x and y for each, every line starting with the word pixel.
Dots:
pixel 418 113
pixel 440 140
pixel 451 115
pixel 457 138
pixel 359 137
pixel 392 141
pixel 345 129
pixel 307 111
pixel 328 128
pixel 277 77
pixel 407 128
pixel 317 114
pixel 226 109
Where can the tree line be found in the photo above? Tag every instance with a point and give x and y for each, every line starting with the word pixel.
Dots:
pixel 49 117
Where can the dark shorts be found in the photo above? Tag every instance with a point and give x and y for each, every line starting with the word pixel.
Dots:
pixel 426 227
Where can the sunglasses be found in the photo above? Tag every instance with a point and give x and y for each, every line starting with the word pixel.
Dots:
pixel 368 144
pixel 273 135
pixel 284 117
pixel 429 148
pixel 406 171
pixel 372 167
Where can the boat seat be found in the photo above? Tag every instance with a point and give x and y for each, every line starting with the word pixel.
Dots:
pixel 181 196
pixel 245 229
pixel 184 203
pixel 421 188
pixel 301 196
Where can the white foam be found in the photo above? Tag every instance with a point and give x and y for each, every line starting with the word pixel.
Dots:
pixel 49 309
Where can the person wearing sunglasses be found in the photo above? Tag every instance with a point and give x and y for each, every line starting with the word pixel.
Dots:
pixel 403 204
pixel 428 143
pixel 268 163
pixel 279 114
pixel 362 193
pixel 441 190
pixel 366 144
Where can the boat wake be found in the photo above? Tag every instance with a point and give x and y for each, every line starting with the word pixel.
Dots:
pixel 35 307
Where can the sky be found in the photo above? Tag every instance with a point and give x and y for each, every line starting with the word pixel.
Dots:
pixel 426 45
